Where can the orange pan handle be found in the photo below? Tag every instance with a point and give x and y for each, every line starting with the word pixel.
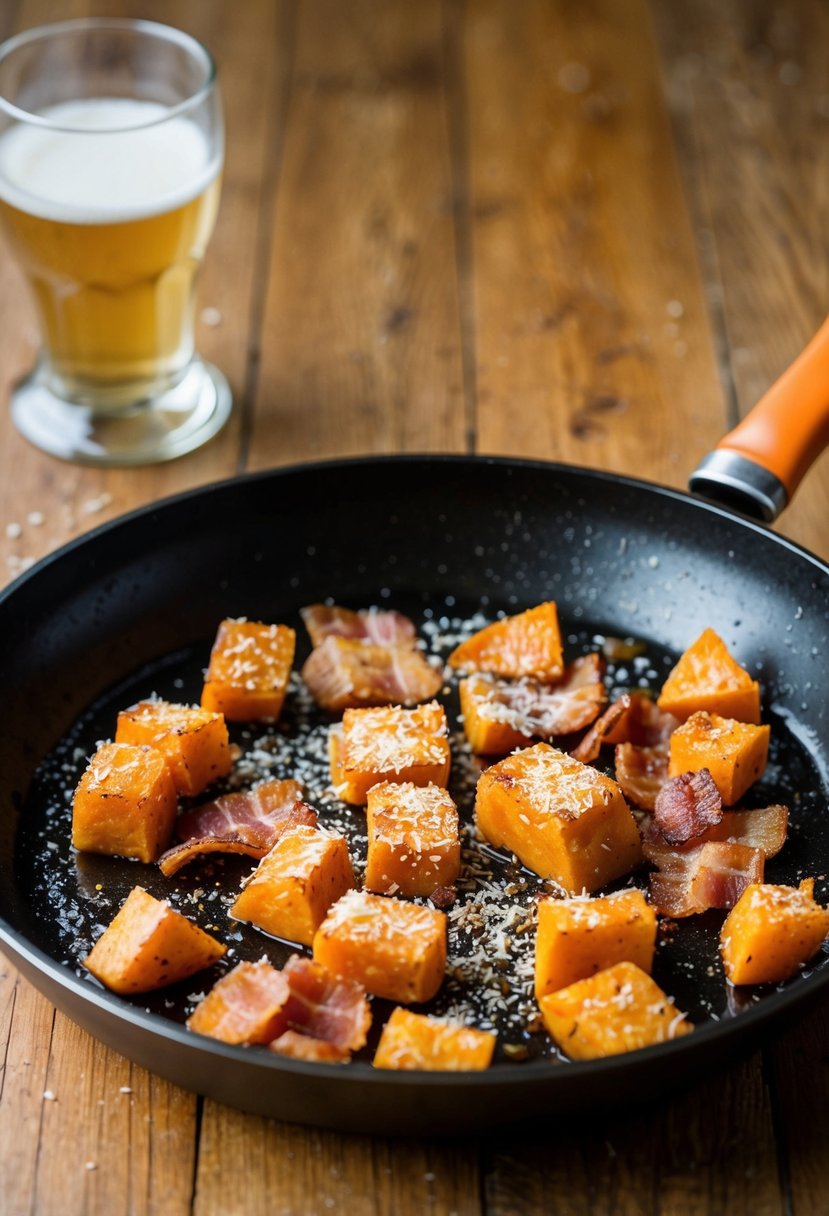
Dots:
pixel 758 466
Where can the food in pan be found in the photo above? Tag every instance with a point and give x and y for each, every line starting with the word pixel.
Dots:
pixel 551 807
pixel 501 715
pixel 563 819
pixel 395 949
pixel 414 844
pixel 345 673
pixel 525 645
pixel 577 937
pixel 150 945
pixel 417 1041
pixel 733 752
pixel 708 677
pixel 294 885
pixel 616 1010
pixel 302 1010
pixel 125 803
pixel 194 740
pixel 771 932
pixel 389 744
pixel 250 664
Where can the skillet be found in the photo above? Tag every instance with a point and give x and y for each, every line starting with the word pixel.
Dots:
pixel 132 606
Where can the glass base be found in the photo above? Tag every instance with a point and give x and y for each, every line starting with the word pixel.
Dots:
pixel 159 429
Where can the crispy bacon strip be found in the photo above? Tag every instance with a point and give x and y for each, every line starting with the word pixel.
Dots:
pixel 765 828
pixel 542 711
pixel 325 1006
pixel 342 673
pixel 247 822
pixel 685 806
pixel 383 628
pixel 644 724
pixel 590 746
pixel 641 772
pixel 712 875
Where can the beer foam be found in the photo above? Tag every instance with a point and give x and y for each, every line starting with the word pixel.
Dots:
pixel 100 162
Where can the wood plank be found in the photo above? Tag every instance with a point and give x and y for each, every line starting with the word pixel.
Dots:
pixel 700 1154
pixel 799 1065
pixel 749 87
pixel 591 334
pixel 310 1171
pixel 360 336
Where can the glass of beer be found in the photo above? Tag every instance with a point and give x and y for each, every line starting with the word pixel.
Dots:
pixel 111 152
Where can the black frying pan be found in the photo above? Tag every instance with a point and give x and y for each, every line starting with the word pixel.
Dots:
pixel 133 606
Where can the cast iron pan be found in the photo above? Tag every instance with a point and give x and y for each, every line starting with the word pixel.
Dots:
pixel 132 608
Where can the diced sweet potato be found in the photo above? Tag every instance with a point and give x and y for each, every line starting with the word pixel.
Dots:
pixel 560 817
pixel 125 803
pixel 491 726
pixel 771 932
pixel 193 740
pixel 578 937
pixel 388 744
pixel 528 644
pixel 734 753
pixel 295 884
pixel 394 949
pixel 617 1010
pixel 413 841
pixel 245 1006
pixel 417 1041
pixel 706 677
pixel 346 673
pixel 149 945
pixel 250 665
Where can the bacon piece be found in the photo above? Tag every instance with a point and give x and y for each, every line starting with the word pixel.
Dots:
pixel 712 875
pixel 324 1006
pixel 641 772
pixel 765 828
pixel 383 628
pixel 303 1047
pixel 687 805
pixel 342 673
pixel 248 822
pixel 590 746
pixel 541 711
pixel 644 724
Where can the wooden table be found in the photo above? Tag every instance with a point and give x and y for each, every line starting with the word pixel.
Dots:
pixel 591 232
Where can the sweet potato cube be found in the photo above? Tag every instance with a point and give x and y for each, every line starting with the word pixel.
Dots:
pixel 193 740
pixel 734 753
pixel 388 744
pixel 527 644
pixel 491 727
pixel 706 677
pixel 616 1010
pixel 578 937
pixel 418 1041
pixel 413 841
pixel 250 665
pixel 149 945
pixel 394 949
pixel 559 817
pixel 771 932
pixel 125 803
pixel 248 1005
pixel 295 884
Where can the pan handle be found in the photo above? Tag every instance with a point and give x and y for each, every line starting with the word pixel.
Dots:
pixel 758 466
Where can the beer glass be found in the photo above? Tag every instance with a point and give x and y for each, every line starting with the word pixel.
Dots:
pixel 111 151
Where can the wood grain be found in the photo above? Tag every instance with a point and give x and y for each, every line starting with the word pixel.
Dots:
pixel 360 334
